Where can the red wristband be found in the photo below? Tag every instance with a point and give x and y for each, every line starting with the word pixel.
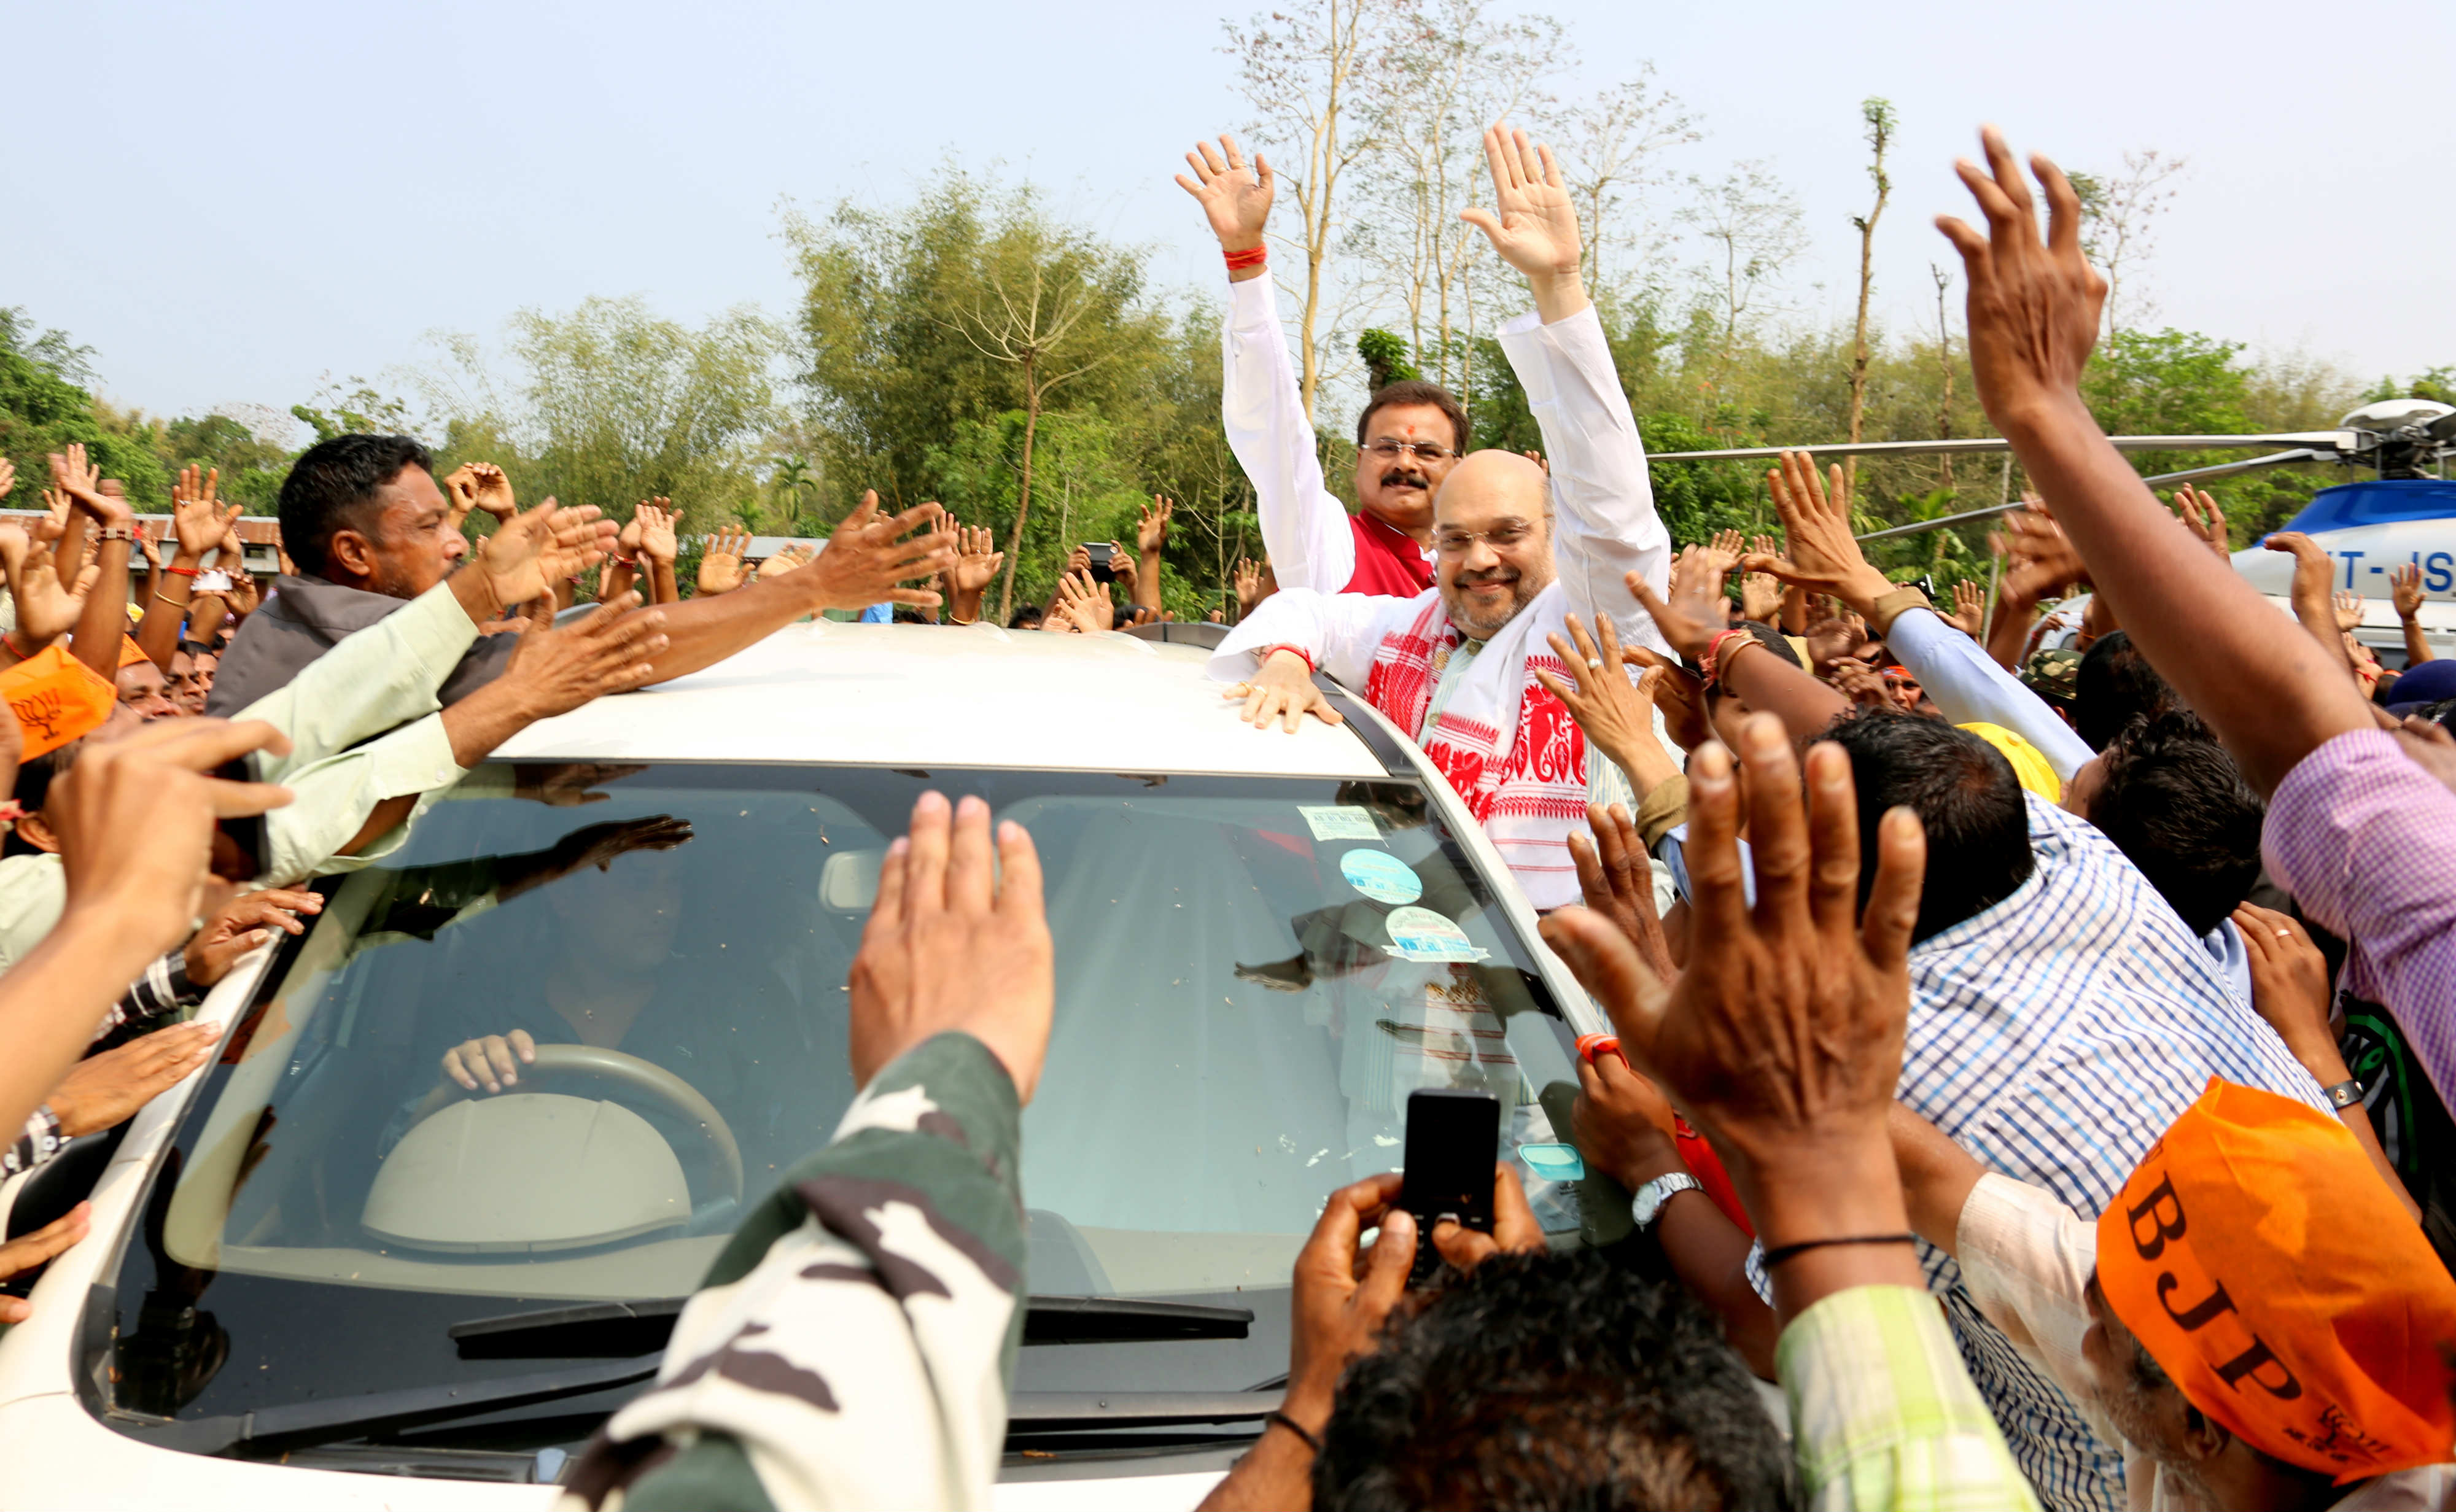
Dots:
pixel 1713 666
pixel 1250 257
pixel 1311 666
pixel 185 572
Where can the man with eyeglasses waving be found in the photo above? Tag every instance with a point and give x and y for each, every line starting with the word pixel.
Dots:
pixel 1520 559
pixel 1410 436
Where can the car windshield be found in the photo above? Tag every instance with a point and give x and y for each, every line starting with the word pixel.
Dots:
pixel 1253 973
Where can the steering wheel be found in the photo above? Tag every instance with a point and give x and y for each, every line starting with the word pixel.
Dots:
pixel 629 1073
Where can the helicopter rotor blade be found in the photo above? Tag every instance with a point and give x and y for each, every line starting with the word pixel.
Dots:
pixel 1972 516
pixel 2318 441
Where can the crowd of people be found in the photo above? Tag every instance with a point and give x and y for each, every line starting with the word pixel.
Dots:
pixel 1986 1008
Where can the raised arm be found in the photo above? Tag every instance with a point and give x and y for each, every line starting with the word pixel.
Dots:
pixel 2406 583
pixel 1604 526
pixel 1304 526
pixel 102 626
pixel 2033 310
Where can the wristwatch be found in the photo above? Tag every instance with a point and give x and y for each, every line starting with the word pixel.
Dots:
pixel 1647 1205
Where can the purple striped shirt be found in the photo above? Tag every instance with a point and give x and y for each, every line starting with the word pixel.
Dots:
pixel 2365 841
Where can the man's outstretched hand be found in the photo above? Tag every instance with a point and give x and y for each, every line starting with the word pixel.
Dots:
pixel 1533 224
pixel 104 1091
pixel 528 553
pixel 953 946
pixel 871 555
pixel 1235 199
pixel 1782 1040
pixel 2034 306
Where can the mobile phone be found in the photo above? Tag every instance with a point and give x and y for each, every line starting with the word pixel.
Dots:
pixel 1453 1135
pixel 1101 570
pixel 212 582
pixel 238 850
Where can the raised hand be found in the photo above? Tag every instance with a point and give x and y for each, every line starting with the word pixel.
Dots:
pixel 871 555
pixel 720 567
pixel 1250 590
pixel 85 487
pixel 1862 685
pixel 1833 634
pixel 2034 304
pixel 790 560
pixel 489 489
pixel 2039 561
pixel 1087 603
pixel 527 554
pixel 1617 882
pixel 55 522
pixel 977 560
pixel 657 538
pixel 1533 223
pixel 1760 596
pixel 2203 519
pixel 1821 554
pixel 1151 526
pixel 146 549
pixel 1968 614
pixel 1782 1039
pixel 7 476
pixel 2349 606
pixel 953 946
pixel 1690 617
pixel 46 608
pixel 2405 582
pixel 629 538
pixel 1124 568
pixel 1617 715
pixel 1235 199
pixel 555 671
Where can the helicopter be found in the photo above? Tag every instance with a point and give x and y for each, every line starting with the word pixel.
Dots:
pixel 2406 513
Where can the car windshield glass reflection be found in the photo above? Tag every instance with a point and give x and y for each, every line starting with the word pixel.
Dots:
pixel 546 1054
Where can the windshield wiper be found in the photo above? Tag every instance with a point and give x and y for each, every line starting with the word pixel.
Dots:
pixel 303 1423
pixel 624 1330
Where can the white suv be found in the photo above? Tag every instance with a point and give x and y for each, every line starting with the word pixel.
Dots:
pixel 323 1275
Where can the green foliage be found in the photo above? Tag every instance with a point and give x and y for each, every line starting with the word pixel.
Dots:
pixel 1387 360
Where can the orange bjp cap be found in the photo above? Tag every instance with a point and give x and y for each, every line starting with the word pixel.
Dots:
pixel 2264 1264
pixel 56 699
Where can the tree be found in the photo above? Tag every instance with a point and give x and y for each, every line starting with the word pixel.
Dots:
pixel 793 482
pixel 1308 76
pixel 612 403
pixel 1943 367
pixel 1450 68
pixel 1053 306
pixel 1606 147
pixel 1386 358
pixel 1880 120
pixel 1751 228
pixel 2119 217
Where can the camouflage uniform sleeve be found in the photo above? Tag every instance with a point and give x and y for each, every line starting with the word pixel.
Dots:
pixel 854 1345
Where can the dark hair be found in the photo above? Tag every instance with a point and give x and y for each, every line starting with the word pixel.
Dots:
pixel 1026 618
pixel 1414 391
pixel 2115 683
pixel 1556 1380
pixel 330 486
pixel 2174 802
pixel 1963 791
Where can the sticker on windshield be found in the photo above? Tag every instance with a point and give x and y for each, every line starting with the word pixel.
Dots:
pixel 1380 876
pixel 1419 934
pixel 1341 822
pixel 1554 1162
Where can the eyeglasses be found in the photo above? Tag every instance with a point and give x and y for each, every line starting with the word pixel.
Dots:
pixel 1390 447
pixel 1454 542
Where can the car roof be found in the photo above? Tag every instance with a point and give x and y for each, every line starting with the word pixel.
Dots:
pixel 931 696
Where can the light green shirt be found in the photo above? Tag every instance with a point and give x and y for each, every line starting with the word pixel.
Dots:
pixel 373 680
pixel 1882 1414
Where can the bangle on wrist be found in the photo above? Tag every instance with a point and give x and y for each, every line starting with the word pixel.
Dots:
pixel 1249 257
pixel 1310 1440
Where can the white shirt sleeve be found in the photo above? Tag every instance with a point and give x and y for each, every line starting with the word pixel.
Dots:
pixel 1969 686
pixel 1342 631
pixel 1305 527
pixel 1604 521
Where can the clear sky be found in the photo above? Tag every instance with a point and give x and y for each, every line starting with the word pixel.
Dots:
pixel 237 200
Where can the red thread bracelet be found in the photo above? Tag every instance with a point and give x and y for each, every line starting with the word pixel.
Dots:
pixel 185 572
pixel 1249 257
pixel 1270 651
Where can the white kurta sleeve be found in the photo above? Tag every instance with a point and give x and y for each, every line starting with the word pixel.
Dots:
pixel 1304 526
pixel 1342 631
pixel 1603 523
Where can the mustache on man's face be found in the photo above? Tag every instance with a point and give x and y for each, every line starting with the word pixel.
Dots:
pixel 1488 575
pixel 1404 478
